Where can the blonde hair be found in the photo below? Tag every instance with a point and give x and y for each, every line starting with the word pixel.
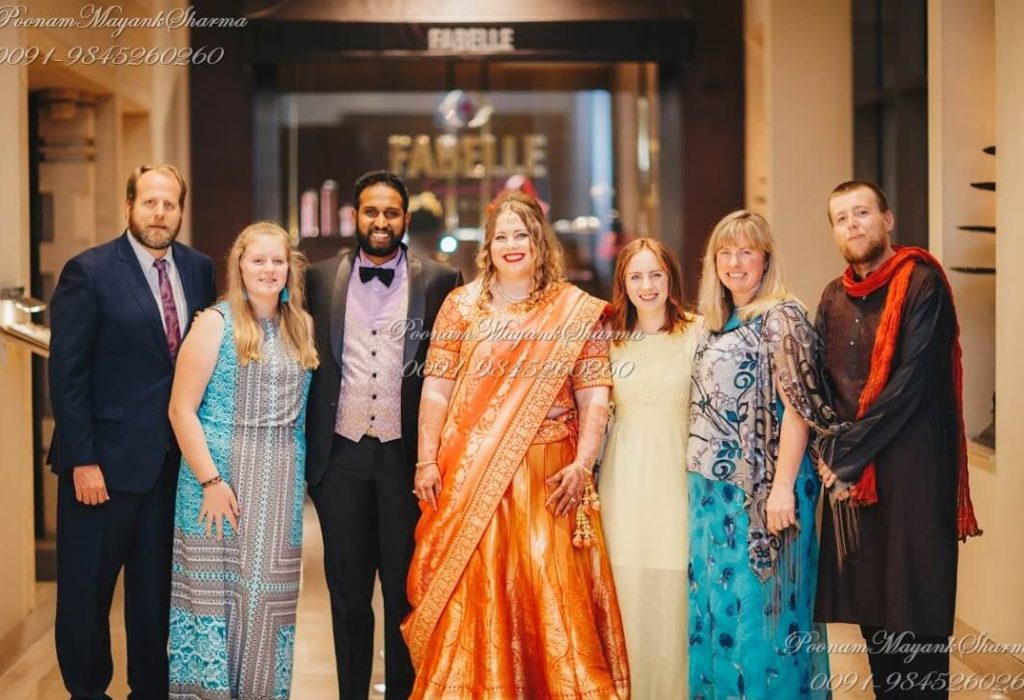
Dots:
pixel 550 266
pixel 295 321
pixel 714 301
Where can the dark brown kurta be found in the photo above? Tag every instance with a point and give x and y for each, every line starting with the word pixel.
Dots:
pixel 903 577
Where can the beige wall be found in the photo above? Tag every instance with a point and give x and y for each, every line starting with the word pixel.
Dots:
pixel 992 567
pixel 17 575
pixel 962 121
pixel 799 129
pixel 140 115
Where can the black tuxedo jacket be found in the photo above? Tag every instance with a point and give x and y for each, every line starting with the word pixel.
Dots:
pixel 327 293
pixel 110 369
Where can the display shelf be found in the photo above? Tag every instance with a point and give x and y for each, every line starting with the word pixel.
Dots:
pixel 981 456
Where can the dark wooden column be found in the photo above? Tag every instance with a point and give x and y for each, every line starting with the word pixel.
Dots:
pixel 713 129
pixel 220 110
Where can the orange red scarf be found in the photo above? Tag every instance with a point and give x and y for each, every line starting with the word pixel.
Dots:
pixel 895 272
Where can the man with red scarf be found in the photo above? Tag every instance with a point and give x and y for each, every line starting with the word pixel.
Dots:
pixel 898 476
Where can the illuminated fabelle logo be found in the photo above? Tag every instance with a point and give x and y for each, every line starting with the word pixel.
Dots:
pixel 471 39
pixel 468 155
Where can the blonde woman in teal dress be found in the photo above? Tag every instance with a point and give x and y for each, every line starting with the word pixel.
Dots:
pixel 643 473
pixel 238 410
pixel 755 397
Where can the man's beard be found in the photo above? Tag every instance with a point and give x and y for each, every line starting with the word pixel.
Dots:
pixel 875 251
pixel 368 247
pixel 156 239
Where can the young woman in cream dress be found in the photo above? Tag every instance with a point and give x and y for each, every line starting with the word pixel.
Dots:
pixel 643 473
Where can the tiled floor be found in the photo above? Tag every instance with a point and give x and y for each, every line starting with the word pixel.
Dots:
pixel 35 675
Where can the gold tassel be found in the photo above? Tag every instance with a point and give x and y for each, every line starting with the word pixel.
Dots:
pixel 584 535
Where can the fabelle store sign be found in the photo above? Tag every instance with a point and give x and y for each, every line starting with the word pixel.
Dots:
pixel 471 39
pixel 468 155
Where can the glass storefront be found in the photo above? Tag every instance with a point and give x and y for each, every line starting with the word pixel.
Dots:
pixel 579 137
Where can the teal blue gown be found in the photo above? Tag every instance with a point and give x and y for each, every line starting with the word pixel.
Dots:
pixel 736 648
pixel 232 626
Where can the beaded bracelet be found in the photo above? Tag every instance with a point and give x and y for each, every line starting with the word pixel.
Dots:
pixel 211 482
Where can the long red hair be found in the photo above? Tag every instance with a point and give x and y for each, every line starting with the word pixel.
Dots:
pixel 623 316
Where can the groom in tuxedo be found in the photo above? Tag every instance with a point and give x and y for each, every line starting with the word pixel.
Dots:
pixel 118 316
pixel 373 309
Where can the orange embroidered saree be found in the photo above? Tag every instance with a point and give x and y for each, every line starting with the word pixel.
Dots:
pixel 503 605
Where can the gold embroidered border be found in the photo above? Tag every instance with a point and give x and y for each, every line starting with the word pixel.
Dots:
pixel 492 486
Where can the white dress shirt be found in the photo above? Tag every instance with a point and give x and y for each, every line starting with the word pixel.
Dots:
pixel 149 271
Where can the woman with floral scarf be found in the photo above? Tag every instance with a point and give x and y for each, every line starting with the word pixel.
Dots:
pixel 753 489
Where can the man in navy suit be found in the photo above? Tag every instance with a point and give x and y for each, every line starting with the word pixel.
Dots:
pixel 118 315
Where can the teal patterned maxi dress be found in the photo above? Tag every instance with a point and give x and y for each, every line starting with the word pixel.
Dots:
pixel 233 601
pixel 751 594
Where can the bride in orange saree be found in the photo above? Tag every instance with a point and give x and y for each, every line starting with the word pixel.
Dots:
pixel 510 584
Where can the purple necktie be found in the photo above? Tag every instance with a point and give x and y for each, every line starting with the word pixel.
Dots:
pixel 171 324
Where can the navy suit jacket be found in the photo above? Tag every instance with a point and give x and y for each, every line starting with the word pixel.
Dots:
pixel 110 369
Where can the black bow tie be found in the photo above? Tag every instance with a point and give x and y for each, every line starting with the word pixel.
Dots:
pixel 384 274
